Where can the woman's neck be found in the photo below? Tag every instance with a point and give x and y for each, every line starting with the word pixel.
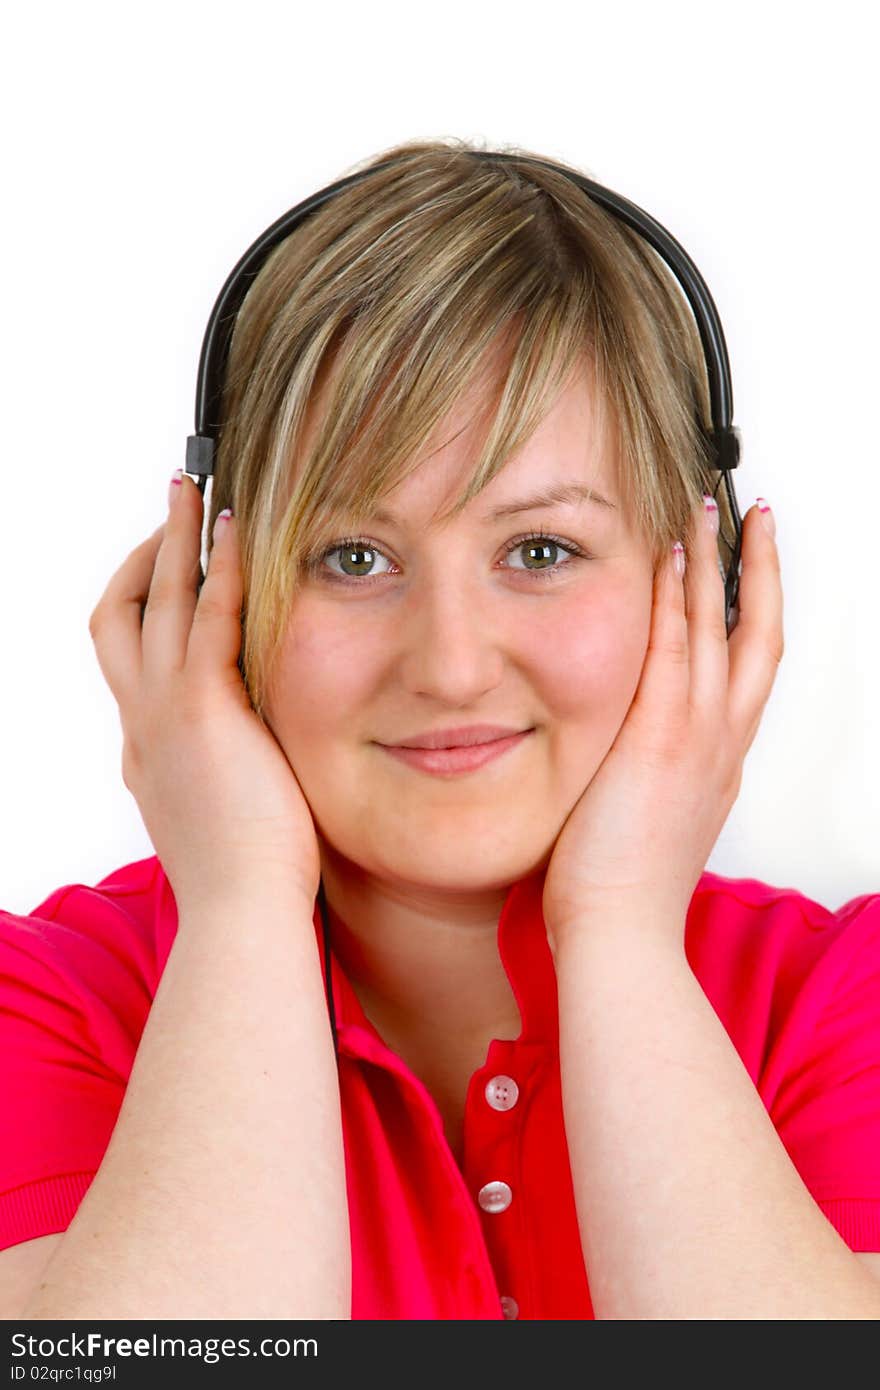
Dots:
pixel 424 964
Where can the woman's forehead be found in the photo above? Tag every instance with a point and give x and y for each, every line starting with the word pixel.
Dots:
pixel 571 457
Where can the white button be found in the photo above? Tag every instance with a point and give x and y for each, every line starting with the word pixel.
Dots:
pixel 502 1092
pixel 495 1196
pixel 509 1306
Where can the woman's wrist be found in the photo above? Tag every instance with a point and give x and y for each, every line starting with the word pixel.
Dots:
pixel 280 893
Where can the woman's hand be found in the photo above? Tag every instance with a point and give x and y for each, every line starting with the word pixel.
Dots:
pixel 647 822
pixel 217 795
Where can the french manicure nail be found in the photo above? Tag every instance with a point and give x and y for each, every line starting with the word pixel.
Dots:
pixel 175 485
pixel 766 515
pixel 711 513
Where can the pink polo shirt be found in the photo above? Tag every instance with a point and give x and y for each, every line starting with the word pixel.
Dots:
pixel 796 986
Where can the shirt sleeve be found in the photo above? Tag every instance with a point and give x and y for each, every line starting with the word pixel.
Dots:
pixel 822 1080
pixel 76 984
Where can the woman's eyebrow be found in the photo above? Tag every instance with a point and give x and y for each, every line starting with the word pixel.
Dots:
pixel 549 497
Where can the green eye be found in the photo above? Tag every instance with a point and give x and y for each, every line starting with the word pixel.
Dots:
pixel 544 552
pixel 355 558
pixel 545 549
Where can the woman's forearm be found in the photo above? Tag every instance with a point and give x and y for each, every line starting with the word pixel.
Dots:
pixel 688 1204
pixel 222 1191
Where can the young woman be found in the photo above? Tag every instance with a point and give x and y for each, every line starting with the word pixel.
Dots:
pixel 466 557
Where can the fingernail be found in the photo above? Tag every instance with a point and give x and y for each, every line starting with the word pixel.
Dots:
pixel 175 485
pixel 766 515
pixel 711 513
pixel 221 516
pixel 678 558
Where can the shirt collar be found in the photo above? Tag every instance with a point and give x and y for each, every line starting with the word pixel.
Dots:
pixel 525 955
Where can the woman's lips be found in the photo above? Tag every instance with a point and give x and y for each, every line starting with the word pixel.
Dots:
pixel 453 760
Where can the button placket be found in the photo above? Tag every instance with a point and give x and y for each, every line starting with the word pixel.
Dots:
pixel 501 1093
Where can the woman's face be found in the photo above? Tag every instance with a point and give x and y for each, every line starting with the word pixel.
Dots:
pixel 425 626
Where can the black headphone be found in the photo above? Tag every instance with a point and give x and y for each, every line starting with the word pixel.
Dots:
pixel 723 438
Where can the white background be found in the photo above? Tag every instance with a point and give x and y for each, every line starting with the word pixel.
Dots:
pixel 145 150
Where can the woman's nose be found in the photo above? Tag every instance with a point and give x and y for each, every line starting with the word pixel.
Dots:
pixel 450 646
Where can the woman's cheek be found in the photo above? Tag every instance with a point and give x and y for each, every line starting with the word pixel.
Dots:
pixel 322 654
pixel 601 648
pixel 317 683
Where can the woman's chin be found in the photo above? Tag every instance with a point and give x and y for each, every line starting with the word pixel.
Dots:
pixel 463 866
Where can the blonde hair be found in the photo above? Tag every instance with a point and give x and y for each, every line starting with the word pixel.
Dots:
pixel 383 304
